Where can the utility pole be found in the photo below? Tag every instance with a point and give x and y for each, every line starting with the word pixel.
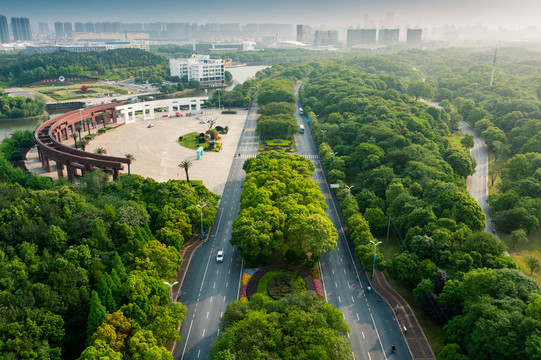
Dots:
pixel 493 66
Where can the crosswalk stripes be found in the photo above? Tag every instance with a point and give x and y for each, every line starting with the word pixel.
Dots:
pixel 309 157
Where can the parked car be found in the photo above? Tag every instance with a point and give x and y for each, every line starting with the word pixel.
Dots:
pixel 150 125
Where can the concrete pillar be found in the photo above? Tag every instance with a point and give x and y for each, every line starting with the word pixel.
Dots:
pixel 145 112
pixel 152 115
pixel 71 173
pixel 60 169
pixel 126 116
pixel 46 164
pixel 198 105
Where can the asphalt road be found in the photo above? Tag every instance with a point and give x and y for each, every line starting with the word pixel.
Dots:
pixel 209 286
pixel 373 328
pixel 477 183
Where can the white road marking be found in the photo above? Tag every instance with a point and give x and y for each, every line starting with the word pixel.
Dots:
pixel 357 316
pixel 370 358
pixel 335 284
pixel 203 333
pixel 352 299
pixel 187 338
pixel 348 336
pixel 217 272
pixel 339 300
pixel 207 314
pixel 205 275
pixel 344 271
pixel 362 333
pixel 213 286
pixel 211 298
pixel 198 353
pixel 377 333
pixel 332 271
pixel 227 284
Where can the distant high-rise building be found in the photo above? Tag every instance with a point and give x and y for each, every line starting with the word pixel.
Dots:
pixel 414 37
pixel 89 27
pixel 304 34
pixel 388 36
pixel 360 37
pixel 4 30
pixel 79 27
pixel 134 27
pixel 68 29
pixel 116 27
pixel 21 29
pixel 326 37
pixel 59 29
pixel 43 28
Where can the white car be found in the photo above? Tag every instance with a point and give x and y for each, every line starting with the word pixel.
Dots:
pixel 220 256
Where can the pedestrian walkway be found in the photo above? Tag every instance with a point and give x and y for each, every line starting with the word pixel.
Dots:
pixel 414 335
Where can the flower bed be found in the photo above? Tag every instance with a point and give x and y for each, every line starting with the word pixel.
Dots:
pixel 319 290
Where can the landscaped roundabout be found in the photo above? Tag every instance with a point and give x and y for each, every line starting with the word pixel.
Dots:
pixel 279 280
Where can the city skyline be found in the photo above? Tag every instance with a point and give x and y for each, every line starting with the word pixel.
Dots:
pixel 423 13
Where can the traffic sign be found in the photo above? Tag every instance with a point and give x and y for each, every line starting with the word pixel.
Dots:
pixel 335 186
pixel 309 120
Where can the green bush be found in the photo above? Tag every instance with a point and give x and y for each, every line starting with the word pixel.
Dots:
pixel 229 111
pixel 90 136
pixel 280 286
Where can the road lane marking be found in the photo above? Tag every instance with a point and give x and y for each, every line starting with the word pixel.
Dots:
pixel 221 313
pixel 352 299
pixel 205 275
pixel 348 336
pixel 187 338
pixel 332 271
pixel 217 272
pixel 322 281
pixel 211 298
pixel 198 353
pixel 344 271
pixel 213 286
pixel 203 333
pixel 227 284
pixel 229 272
pixel 362 333
pixel 207 314
pixel 357 317
pixel 370 358
pixel 377 333
pixel 339 300
pixel 335 284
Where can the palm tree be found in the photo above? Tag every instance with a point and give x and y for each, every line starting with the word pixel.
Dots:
pixel 186 164
pixel 78 129
pixel 131 158
pixel 74 136
pixel 88 122
pixel 100 151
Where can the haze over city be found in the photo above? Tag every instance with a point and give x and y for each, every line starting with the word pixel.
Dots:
pixel 490 13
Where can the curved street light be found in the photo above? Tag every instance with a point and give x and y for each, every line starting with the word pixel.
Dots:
pixel 333 154
pixel 171 286
pixel 349 189
pixel 323 132
pixel 374 267
pixel 201 207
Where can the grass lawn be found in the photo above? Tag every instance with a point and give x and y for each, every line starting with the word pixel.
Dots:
pixel 190 142
pixel 300 285
pixel 72 93
pixel 523 250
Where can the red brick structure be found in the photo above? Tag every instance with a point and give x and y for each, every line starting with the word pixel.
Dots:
pixel 50 135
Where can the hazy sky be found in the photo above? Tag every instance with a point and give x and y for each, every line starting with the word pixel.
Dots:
pixel 508 13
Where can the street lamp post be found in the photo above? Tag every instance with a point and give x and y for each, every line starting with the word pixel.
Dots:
pixel 374 267
pixel 333 154
pixel 349 189
pixel 201 207
pixel 323 132
pixel 81 118
pixel 171 286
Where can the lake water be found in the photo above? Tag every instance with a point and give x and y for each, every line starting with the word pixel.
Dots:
pixel 240 74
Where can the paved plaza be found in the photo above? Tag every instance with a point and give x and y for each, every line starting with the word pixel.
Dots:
pixel 157 151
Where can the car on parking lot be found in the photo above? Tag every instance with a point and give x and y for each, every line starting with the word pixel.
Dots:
pixel 150 125
pixel 220 256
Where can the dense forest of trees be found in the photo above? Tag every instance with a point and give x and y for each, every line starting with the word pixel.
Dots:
pixel 396 152
pixel 282 213
pixel 82 268
pixel 20 69
pixel 293 328
pixel 20 107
